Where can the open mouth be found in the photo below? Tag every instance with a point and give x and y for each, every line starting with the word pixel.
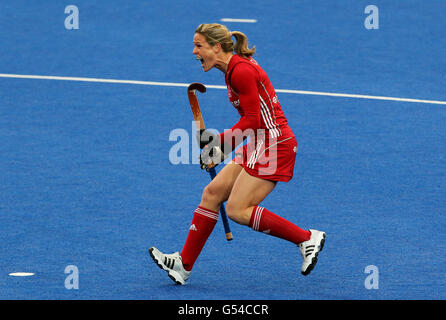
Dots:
pixel 201 60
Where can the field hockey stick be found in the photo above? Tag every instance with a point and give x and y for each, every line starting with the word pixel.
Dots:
pixel 195 107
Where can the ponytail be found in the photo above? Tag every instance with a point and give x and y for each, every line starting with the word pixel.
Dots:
pixel 241 46
pixel 218 33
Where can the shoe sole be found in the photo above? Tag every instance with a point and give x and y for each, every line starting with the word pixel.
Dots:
pixel 162 266
pixel 314 259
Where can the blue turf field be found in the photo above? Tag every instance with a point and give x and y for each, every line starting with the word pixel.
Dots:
pixel 85 176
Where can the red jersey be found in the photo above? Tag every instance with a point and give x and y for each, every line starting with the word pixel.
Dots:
pixel 252 94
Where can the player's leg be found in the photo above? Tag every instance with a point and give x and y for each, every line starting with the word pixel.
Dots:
pixel 243 207
pixel 218 190
pixel 206 215
pixel 179 266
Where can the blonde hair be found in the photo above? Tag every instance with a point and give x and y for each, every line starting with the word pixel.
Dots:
pixel 218 33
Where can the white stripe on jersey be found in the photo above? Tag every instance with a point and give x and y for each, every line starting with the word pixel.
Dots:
pixel 273 118
pixel 270 101
pixel 266 115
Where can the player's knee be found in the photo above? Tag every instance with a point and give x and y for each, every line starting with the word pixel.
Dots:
pixel 211 194
pixel 236 212
pixel 231 211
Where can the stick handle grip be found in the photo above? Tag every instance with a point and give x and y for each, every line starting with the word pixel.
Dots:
pixel 224 217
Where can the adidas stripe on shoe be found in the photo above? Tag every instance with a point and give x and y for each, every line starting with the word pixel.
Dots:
pixel 172 264
pixel 310 250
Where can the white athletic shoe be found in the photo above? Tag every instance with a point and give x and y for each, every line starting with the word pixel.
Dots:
pixel 310 250
pixel 172 264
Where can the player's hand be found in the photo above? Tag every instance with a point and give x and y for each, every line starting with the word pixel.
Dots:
pixel 211 156
pixel 207 137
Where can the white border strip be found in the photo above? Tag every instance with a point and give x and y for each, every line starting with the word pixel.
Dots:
pixel 174 84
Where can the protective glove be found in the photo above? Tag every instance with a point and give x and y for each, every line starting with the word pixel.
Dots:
pixel 207 137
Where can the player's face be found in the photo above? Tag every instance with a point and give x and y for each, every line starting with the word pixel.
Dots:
pixel 204 52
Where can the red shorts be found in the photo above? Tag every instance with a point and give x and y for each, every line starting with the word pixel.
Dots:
pixel 269 158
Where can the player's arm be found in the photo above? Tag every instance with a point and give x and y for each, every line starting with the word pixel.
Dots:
pixel 244 82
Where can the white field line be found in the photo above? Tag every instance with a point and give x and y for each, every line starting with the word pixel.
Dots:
pixel 238 20
pixel 360 96
pixel 174 84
